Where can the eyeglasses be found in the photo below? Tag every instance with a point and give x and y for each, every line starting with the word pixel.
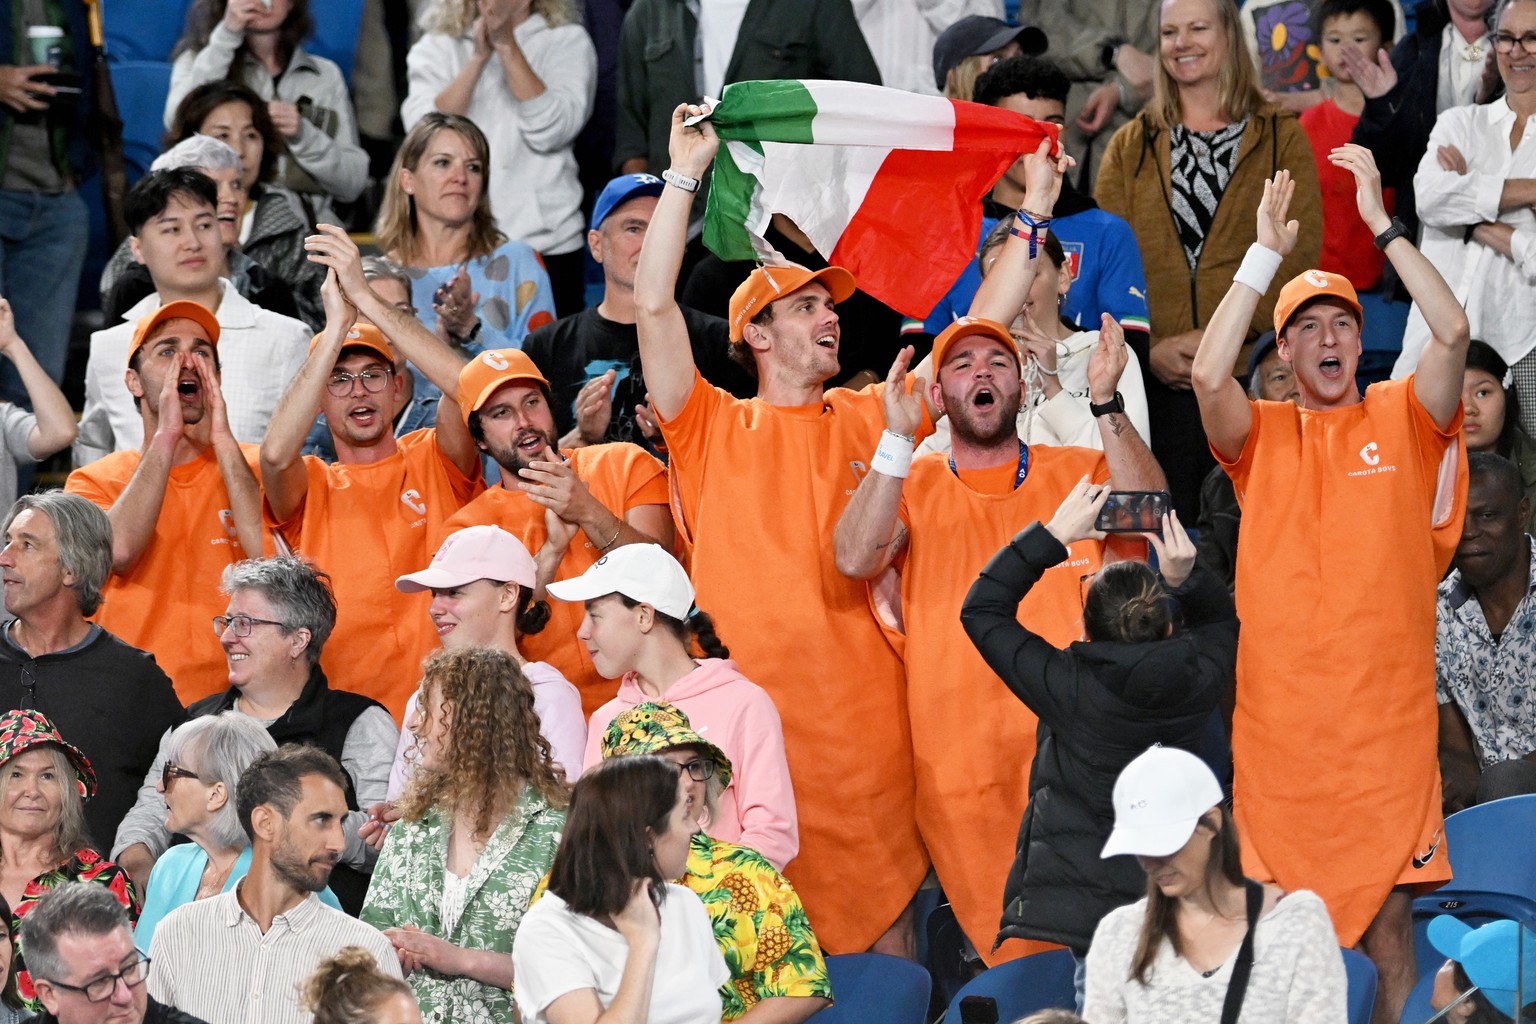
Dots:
pixel 340 384
pixel 241 624
pixel 174 771
pixel 100 990
pixel 700 769
pixel 1504 42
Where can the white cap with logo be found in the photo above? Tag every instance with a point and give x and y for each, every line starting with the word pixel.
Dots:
pixel 1159 798
pixel 641 572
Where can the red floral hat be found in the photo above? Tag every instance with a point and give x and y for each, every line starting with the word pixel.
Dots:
pixel 23 729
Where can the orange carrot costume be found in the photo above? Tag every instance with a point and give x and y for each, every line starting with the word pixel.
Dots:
pixel 1350 517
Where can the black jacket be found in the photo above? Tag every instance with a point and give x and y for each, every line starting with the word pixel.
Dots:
pixel 1100 704
pixel 109 699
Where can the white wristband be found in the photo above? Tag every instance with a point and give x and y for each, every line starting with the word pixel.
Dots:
pixel 893 457
pixel 1259 268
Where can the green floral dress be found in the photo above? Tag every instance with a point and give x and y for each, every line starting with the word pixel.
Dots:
pixel 759 923
pixel 407 888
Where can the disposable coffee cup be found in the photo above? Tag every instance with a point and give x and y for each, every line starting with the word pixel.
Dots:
pixel 46 43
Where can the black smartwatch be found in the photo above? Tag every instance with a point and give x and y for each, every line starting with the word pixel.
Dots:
pixel 1397 230
pixel 1114 405
pixel 1107 53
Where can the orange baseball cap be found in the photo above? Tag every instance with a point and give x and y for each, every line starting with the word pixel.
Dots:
pixel 181 309
pixel 769 283
pixel 362 336
pixel 965 327
pixel 488 371
pixel 1313 284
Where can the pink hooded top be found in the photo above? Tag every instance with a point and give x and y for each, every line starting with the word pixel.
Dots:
pixel 757 809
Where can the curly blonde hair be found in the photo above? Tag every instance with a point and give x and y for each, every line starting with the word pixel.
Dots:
pixel 455 17
pixel 495 748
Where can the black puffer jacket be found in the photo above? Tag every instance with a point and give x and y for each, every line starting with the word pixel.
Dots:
pixel 1100 704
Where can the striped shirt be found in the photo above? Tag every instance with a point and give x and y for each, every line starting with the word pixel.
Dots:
pixel 212 961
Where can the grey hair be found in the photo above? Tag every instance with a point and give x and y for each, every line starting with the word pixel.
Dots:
pixel 204 152
pixel 382 268
pixel 85 540
pixel 300 595
pixel 219 748
pixel 71 833
pixel 76 908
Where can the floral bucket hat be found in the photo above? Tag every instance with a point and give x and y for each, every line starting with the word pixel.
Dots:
pixel 650 728
pixel 21 730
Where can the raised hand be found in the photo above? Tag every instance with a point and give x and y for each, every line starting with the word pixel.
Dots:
pixel 551 482
pixel 213 400
pixel 692 147
pixel 1275 232
pixel 456 305
pixel 8 335
pixel 376 829
pixel 286 119
pixel 639 920
pixel 558 532
pixel 332 247
pixel 338 311
pixel 903 409
pixel 170 397
pixel 1376 77
pixel 240 13
pixel 1358 161
pixel 1042 177
pixel 1107 362
pixel 1077 513
pixel 1175 551
pixel 1099 108
pixel 594 407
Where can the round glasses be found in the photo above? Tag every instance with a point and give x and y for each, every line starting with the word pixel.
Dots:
pixel 373 380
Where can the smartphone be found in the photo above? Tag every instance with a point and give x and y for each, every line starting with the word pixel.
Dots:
pixel 1133 512
pixel 978 1010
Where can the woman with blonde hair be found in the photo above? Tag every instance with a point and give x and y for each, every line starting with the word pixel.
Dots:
pixel 471 285
pixel 526 71
pixel 349 988
pixel 479 825
pixel 1186 172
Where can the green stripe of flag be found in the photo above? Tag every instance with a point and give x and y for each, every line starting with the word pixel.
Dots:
pixel 772 111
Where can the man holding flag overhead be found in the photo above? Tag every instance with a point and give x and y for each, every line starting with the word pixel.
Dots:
pixel 761 483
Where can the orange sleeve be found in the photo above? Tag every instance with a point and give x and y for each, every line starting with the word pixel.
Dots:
pixel 463 488
pixel 646 480
pixel 100 490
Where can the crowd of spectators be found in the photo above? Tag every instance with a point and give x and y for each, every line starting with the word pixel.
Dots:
pixel 605 630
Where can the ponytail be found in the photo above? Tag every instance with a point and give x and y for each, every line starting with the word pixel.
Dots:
pixel 704 636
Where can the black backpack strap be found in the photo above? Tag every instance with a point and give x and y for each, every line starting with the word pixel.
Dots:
pixel 1238 986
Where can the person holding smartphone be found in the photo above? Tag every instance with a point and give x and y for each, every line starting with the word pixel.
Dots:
pixel 1137 678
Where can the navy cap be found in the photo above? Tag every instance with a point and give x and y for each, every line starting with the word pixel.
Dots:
pixel 978 34
pixel 620 191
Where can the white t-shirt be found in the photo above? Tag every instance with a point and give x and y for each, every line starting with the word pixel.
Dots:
pixel 558 951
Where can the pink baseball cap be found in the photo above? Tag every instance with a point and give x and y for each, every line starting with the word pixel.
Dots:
pixel 473 553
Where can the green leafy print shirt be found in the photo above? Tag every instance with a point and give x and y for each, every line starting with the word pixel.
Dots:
pixel 407 888
pixel 759 923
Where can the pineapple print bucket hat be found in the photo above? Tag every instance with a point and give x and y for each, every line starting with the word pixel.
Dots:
pixel 652 727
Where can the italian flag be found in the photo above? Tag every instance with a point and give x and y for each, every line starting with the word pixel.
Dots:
pixel 884 182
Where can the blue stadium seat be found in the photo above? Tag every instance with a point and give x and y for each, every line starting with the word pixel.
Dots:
pixel 142 29
pixel 335 38
pixel 1022 986
pixel 1362 985
pixel 873 987
pixel 141 87
pixel 1494 874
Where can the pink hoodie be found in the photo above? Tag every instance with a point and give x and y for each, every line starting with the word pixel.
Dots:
pixel 757 810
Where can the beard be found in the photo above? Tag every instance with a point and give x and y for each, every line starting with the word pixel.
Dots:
pixel 971 425
pixel 512 459
pixel 303 875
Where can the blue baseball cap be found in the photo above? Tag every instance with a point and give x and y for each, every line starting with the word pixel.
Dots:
pixel 620 191
pixel 1497 959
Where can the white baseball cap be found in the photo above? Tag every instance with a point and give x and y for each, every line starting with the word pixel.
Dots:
pixel 474 553
pixel 1159 798
pixel 641 572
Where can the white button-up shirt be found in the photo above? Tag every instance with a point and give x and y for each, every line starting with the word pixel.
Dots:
pixel 1496 290
pixel 211 959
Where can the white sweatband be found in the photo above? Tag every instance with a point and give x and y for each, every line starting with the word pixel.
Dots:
pixel 893 457
pixel 1259 268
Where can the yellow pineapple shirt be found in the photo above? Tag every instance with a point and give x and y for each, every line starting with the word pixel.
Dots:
pixel 759 924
